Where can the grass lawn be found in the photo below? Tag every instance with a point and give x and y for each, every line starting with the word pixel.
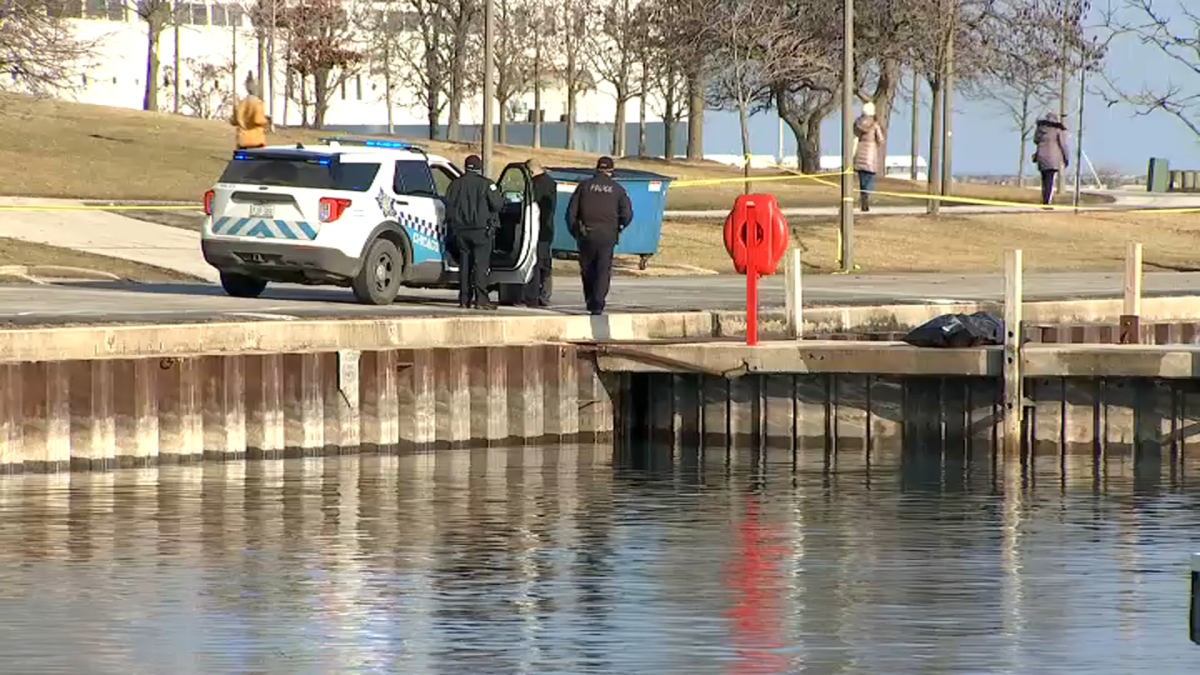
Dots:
pixel 1061 242
pixel 61 149
pixel 28 254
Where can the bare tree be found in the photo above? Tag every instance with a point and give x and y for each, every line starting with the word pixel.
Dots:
pixel 206 95
pixel 514 62
pixel 461 19
pixel 577 18
pixel 409 48
pixel 805 79
pixel 1019 76
pixel 322 49
pixel 749 41
pixel 669 53
pixel 614 62
pixel 1174 33
pixel 546 51
pixel 39 53
pixel 157 14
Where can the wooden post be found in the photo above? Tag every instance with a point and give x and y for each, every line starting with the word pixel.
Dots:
pixel 792 284
pixel 1014 394
pixel 1131 328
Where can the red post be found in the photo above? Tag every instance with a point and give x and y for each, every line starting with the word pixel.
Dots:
pixel 752 252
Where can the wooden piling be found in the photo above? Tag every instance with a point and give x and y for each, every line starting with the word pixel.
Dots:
pixel 792 287
pixel 1131 331
pixel 1014 395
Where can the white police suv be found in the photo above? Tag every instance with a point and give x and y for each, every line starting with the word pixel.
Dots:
pixel 363 213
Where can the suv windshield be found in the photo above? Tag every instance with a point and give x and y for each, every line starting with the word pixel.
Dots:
pixel 301 173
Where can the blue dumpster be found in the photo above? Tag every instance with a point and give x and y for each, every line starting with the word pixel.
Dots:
pixel 648 195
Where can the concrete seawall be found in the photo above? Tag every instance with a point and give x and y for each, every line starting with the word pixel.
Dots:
pixel 108 413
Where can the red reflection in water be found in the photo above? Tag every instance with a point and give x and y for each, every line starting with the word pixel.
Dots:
pixel 756 581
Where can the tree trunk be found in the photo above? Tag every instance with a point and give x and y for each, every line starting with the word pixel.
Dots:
pixel 915 141
pixel 537 90
pixel 388 93
pixel 150 100
pixel 271 65
pixel 572 93
pixel 261 76
pixel 669 101
pixel 1023 136
pixel 320 98
pixel 618 138
pixel 744 122
pixel 642 151
pixel 432 96
pixel 695 144
pixel 502 103
pixel 884 98
pixel 303 100
pixel 935 148
pixel 178 74
pixel 457 77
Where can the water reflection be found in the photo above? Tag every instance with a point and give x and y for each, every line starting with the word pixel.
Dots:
pixel 553 560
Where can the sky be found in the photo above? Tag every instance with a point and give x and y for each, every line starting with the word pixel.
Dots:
pixel 985 140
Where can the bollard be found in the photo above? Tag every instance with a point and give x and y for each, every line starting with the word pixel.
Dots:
pixel 1194 618
pixel 792 282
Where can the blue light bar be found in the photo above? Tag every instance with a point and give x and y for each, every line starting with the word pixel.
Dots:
pixel 240 155
pixel 377 143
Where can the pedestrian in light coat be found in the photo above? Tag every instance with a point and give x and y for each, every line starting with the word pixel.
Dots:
pixel 1051 155
pixel 868 139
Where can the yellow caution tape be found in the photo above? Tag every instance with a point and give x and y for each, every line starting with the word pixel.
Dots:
pixel 754 179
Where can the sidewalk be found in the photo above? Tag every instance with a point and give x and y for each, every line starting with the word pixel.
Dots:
pixel 104 233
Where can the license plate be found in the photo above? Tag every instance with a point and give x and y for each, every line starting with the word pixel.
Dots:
pixel 262 210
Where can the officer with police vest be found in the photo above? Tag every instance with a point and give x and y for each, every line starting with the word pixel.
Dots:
pixel 597 213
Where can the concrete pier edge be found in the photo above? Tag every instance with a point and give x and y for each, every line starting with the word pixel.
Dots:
pixel 54 343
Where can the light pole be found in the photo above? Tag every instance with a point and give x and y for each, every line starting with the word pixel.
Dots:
pixel 847 207
pixel 1079 131
pixel 489 81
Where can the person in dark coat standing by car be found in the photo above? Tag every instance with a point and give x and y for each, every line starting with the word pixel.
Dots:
pixel 597 213
pixel 545 195
pixel 472 215
pixel 1051 155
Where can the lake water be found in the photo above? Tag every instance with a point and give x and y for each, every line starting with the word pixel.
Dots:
pixel 555 561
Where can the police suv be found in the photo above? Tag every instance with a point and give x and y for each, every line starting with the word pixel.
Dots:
pixel 363 213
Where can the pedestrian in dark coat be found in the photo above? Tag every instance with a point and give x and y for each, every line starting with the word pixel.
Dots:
pixel 597 213
pixel 472 215
pixel 545 194
pixel 1051 155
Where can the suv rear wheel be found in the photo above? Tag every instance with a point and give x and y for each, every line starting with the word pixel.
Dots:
pixel 382 270
pixel 242 286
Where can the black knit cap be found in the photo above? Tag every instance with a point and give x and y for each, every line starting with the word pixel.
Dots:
pixel 474 163
pixel 605 164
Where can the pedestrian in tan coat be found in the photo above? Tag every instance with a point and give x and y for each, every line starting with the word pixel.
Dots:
pixel 250 118
pixel 868 139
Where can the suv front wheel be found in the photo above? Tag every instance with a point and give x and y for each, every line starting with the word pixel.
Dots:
pixel 242 286
pixel 382 270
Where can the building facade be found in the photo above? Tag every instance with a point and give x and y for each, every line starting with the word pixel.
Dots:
pixel 214 48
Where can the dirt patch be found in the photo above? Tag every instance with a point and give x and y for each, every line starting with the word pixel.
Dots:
pixel 61 149
pixel 49 261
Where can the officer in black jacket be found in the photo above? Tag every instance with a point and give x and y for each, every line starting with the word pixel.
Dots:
pixel 545 195
pixel 472 214
pixel 597 213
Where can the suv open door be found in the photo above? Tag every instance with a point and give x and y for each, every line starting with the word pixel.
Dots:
pixel 514 254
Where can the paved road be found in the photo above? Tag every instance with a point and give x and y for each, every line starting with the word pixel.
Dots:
pixel 103 302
